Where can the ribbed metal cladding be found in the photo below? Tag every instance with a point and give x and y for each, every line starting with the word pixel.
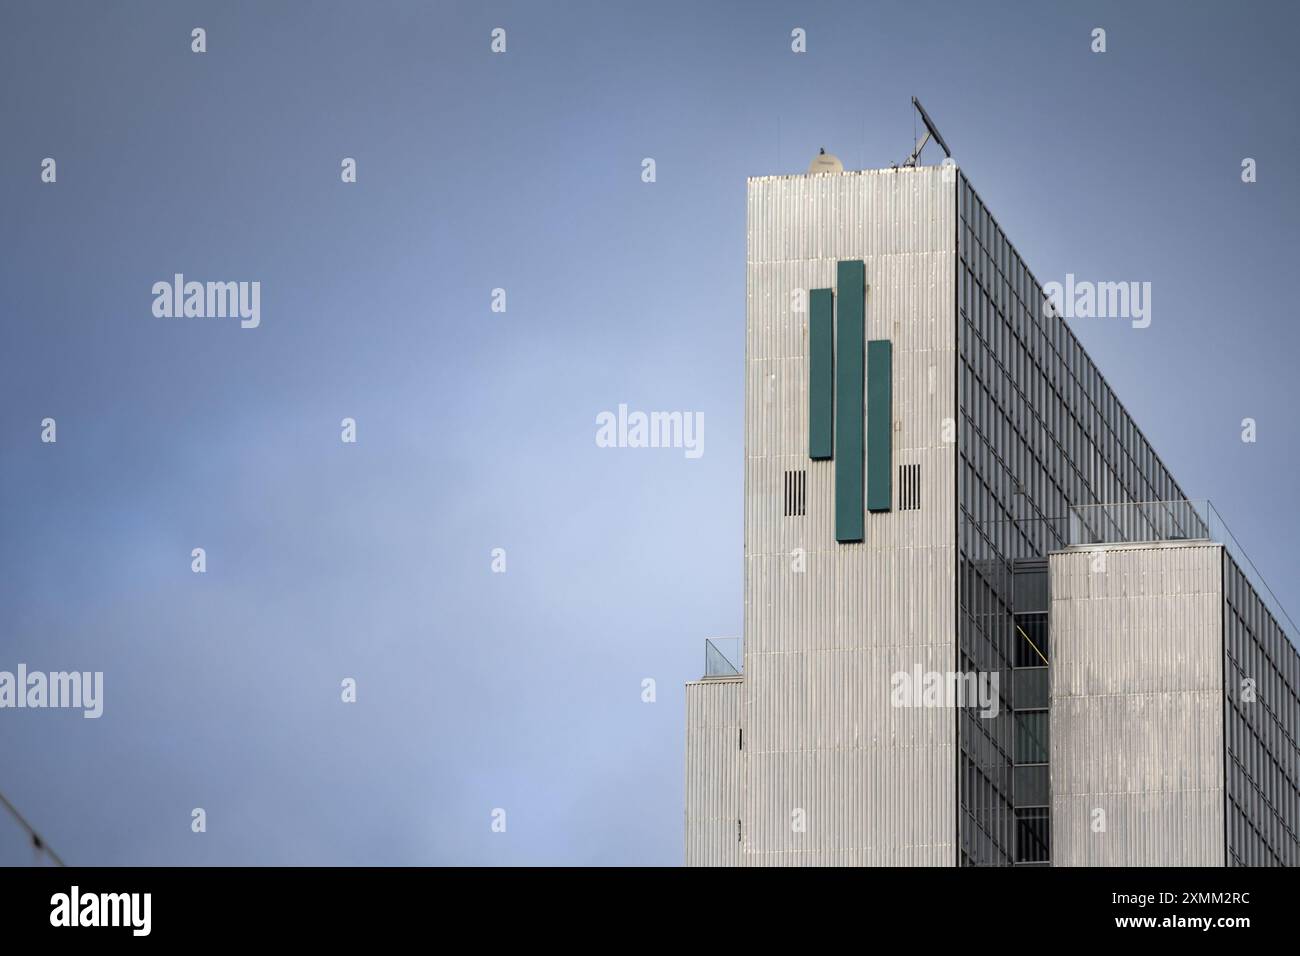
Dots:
pixel 1137 706
pixel 713 772
pixel 875 784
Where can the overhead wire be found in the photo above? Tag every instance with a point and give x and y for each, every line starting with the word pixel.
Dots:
pixel 38 841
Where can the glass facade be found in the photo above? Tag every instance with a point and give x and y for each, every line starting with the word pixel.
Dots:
pixel 1261 672
pixel 1039 431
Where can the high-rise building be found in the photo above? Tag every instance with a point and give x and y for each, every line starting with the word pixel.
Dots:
pixel 983 623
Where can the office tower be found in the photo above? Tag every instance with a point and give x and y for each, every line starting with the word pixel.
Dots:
pixel 983 623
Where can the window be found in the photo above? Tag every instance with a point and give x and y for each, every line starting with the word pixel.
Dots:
pixel 1032 834
pixel 1031 737
pixel 1031 644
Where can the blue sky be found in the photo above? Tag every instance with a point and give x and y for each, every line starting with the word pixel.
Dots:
pixel 476 429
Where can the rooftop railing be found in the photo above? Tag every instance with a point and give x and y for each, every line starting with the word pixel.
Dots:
pixel 722 657
pixel 1188 520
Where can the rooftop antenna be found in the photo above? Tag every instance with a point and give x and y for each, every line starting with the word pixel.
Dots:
pixel 930 130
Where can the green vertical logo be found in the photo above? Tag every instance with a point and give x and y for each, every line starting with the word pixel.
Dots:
pixel 850 400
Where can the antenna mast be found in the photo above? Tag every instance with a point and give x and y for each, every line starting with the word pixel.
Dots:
pixel 930 130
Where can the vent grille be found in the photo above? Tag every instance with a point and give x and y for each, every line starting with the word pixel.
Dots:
pixel 796 485
pixel 909 487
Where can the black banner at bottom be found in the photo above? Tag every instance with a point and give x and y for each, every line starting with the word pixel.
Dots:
pixel 371 905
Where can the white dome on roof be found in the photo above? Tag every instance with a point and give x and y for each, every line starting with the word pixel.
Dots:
pixel 824 162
